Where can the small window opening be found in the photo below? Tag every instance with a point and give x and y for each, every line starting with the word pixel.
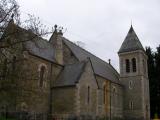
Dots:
pixel 42 72
pixel 134 65
pixel 131 105
pixel 88 96
pixel 127 66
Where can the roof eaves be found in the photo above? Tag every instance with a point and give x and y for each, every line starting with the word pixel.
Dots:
pixel 44 59
pixel 109 80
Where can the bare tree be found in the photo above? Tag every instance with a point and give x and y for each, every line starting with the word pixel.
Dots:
pixel 34 24
pixel 9 10
pixel 80 44
pixel 11 38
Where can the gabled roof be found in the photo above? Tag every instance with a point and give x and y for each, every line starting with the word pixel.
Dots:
pixel 32 42
pixel 131 42
pixel 100 67
pixel 70 75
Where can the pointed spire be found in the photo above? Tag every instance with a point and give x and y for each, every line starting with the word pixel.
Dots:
pixel 131 29
pixel 131 42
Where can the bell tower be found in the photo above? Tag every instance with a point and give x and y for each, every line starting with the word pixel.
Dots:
pixel 134 77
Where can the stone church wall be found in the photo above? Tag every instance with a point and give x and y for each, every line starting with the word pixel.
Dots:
pixel 116 101
pixel 64 100
pixel 103 108
pixel 35 97
pixel 113 108
pixel 10 69
pixel 87 94
pixel 26 94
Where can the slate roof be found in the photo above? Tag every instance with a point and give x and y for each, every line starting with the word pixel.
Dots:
pixel 41 48
pixel 33 43
pixel 99 66
pixel 70 75
pixel 131 42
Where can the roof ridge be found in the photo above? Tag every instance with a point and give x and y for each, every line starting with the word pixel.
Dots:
pixel 92 54
pixel 86 51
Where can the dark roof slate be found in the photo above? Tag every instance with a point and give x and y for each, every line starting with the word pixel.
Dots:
pixel 37 45
pixel 70 75
pixel 100 67
pixel 131 42
pixel 41 48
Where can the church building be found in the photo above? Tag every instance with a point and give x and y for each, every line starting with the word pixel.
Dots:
pixel 56 77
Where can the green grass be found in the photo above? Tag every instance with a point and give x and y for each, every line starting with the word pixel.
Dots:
pixel 156 116
pixel 3 118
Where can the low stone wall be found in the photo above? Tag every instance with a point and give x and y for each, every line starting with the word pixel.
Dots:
pixel 24 116
pixel 43 116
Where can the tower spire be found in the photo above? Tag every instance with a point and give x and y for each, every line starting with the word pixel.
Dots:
pixel 131 42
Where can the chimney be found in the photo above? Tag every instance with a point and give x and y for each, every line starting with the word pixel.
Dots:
pixel 58 44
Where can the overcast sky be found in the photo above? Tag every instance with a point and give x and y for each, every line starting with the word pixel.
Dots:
pixel 101 24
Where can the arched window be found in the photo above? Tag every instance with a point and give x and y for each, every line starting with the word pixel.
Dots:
pixel 114 89
pixel 42 75
pixel 131 105
pixel 104 94
pixel 88 95
pixel 134 65
pixel 127 66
